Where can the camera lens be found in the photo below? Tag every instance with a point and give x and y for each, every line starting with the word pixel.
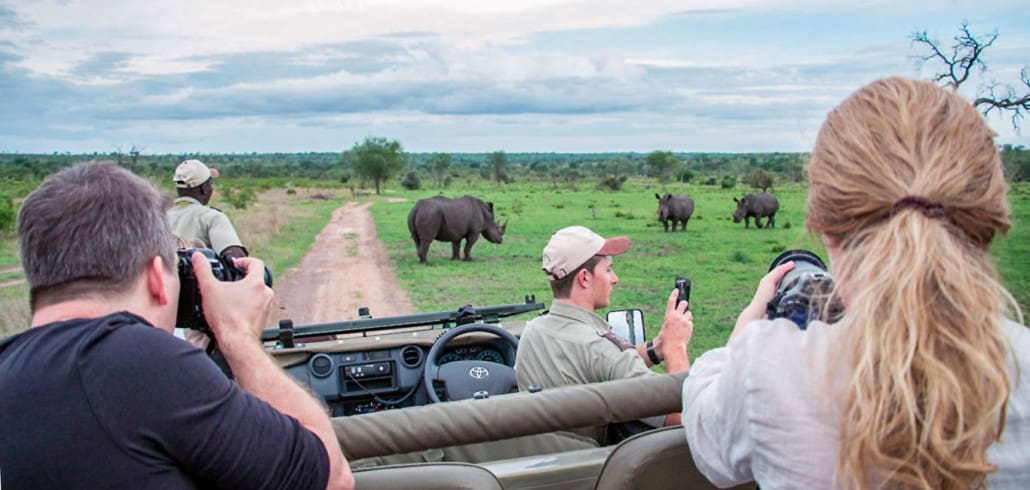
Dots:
pixel 802 294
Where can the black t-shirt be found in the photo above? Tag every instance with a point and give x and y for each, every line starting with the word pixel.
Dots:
pixel 113 402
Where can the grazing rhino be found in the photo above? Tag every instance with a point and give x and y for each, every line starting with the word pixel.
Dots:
pixel 451 220
pixel 676 209
pixel 757 206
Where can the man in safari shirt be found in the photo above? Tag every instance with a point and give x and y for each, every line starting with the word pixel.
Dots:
pixel 196 223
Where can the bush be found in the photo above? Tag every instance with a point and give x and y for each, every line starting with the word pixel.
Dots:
pixel 711 181
pixel 291 191
pixel 8 213
pixel 411 181
pixel 611 182
pixel 759 179
pixel 728 181
pixel 239 198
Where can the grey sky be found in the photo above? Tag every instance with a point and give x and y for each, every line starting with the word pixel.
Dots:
pixel 456 76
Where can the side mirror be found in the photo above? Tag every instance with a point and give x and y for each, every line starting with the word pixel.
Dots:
pixel 628 324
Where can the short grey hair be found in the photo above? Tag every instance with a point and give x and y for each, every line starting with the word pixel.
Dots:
pixel 91 229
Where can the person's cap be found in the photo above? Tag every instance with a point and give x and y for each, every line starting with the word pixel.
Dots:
pixel 193 173
pixel 571 247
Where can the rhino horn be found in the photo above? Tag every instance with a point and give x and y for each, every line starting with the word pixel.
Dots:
pixel 504 226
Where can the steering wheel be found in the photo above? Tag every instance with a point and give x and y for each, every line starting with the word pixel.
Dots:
pixel 469 379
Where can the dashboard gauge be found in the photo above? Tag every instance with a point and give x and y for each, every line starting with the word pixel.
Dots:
pixel 449 357
pixel 490 355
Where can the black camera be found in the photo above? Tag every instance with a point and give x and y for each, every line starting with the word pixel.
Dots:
pixel 190 314
pixel 804 293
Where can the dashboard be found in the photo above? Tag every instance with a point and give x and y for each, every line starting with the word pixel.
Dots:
pixel 369 381
pixel 472 353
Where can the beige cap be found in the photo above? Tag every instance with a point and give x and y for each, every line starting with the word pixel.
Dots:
pixel 193 173
pixel 570 247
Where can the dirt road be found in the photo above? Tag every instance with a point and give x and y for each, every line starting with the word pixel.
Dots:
pixel 345 268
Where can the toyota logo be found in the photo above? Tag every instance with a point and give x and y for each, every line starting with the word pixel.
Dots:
pixel 479 372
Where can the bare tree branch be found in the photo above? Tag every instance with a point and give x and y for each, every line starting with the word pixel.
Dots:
pixel 965 57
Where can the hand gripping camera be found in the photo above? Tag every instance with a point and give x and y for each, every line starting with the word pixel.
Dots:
pixel 803 294
pixel 191 314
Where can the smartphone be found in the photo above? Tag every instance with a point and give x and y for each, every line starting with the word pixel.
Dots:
pixel 683 286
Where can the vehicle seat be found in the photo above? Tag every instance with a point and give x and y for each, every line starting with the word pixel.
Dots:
pixel 656 459
pixel 427 476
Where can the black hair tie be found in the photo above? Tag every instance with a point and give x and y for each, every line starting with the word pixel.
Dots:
pixel 929 208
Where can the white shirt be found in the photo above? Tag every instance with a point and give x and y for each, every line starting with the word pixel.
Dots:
pixel 762 408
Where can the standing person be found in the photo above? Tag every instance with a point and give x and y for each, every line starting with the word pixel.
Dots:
pixel 925 381
pixel 196 223
pixel 99 394
pixel 572 345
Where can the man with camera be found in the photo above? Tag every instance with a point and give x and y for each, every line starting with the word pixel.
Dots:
pixel 99 394
pixel 196 223
pixel 572 345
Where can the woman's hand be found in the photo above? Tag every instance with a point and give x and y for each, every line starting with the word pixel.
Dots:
pixel 763 295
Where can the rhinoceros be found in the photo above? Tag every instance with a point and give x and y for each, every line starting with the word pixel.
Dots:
pixel 756 206
pixel 451 220
pixel 676 209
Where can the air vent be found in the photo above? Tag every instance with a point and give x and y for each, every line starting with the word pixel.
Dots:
pixel 411 356
pixel 321 365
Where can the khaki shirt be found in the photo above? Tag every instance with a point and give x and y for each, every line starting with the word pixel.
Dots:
pixel 202 226
pixel 565 347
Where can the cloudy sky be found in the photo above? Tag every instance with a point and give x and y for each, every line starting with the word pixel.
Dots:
pixel 179 76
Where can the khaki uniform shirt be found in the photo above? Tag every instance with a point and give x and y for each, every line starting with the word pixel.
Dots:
pixel 565 347
pixel 202 226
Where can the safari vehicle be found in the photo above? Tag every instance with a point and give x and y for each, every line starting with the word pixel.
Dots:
pixel 431 401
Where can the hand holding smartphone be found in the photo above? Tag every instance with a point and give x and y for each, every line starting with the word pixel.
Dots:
pixel 683 286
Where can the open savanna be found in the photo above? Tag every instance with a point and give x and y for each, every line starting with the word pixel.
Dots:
pixel 278 226
pixel 723 259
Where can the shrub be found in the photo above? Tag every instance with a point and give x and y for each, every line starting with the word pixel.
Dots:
pixel 759 179
pixel 711 181
pixel 291 191
pixel 411 181
pixel 728 181
pixel 8 213
pixel 240 197
pixel 611 182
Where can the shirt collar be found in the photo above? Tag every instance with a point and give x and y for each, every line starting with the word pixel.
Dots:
pixel 186 200
pixel 580 315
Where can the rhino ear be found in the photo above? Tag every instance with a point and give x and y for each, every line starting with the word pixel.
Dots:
pixel 490 206
pixel 656 196
pixel 735 199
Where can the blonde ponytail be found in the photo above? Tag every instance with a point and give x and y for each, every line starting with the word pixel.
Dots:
pixel 925 345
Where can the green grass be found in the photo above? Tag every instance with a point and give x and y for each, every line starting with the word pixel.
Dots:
pixel 723 260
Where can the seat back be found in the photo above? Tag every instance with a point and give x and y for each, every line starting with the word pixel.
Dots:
pixel 427 476
pixel 654 459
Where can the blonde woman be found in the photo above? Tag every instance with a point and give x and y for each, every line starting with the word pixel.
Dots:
pixel 925 381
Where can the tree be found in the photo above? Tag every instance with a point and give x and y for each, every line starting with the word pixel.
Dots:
pixel 439 164
pixel 663 164
pixel 376 158
pixel 498 161
pixel 759 179
pixel 965 57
